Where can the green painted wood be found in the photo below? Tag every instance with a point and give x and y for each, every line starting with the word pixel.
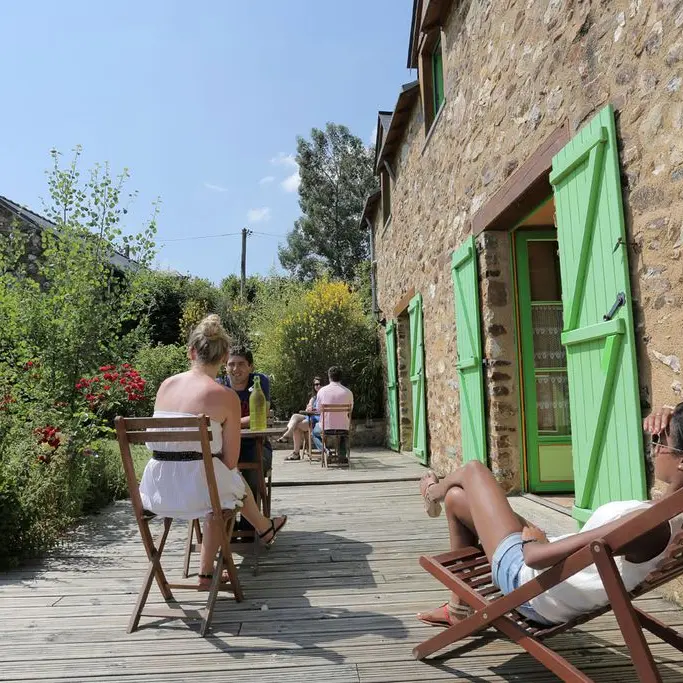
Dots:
pixel 543 475
pixel 469 364
pixel 437 75
pixel 601 357
pixel 392 386
pixel 417 379
pixel 593 332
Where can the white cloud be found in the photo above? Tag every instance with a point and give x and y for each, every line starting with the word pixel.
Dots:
pixel 373 136
pixel 282 159
pixel 258 215
pixel 215 188
pixel 267 179
pixel 291 182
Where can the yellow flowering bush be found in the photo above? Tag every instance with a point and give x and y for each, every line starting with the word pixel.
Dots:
pixel 302 336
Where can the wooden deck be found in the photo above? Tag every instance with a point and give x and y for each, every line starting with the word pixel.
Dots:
pixel 335 602
pixel 366 464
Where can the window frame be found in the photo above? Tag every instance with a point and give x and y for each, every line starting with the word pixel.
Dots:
pixel 431 58
pixel 385 187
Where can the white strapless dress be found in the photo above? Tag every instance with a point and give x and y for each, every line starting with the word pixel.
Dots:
pixel 179 489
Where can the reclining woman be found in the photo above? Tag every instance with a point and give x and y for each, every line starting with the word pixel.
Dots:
pixel 300 424
pixel 478 511
pixel 174 485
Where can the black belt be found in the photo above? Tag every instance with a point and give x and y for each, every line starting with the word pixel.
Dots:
pixel 178 456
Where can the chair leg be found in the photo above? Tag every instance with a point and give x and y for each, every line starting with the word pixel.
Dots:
pixel 626 615
pixel 661 630
pixel 188 549
pixel 229 562
pixel 213 594
pixel 154 571
pixel 269 494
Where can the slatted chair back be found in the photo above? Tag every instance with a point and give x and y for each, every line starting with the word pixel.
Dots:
pixel 327 409
pixel 467 573
pixel 148 431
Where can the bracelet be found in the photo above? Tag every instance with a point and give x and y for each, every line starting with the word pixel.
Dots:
pixel 529 540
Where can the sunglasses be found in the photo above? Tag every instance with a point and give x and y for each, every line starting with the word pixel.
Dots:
pixel 316 384
pixel 660 440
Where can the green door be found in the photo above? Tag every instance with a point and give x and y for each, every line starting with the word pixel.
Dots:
pixel 598 320
pixel 470 361
pixel 417 379
pixel 545 392
pixel 392 386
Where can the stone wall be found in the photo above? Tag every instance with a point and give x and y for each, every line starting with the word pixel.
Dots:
pixel 34 242
pixel 513 73
pixel 405 388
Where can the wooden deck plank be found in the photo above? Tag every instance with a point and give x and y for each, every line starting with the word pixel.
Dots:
pixel 335 602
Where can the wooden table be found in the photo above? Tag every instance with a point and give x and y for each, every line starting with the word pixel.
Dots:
pixel 262 494
pixel 309 444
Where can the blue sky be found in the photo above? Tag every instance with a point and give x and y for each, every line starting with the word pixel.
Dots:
pixel 203 105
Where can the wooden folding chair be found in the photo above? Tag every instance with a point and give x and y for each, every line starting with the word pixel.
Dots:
pixel 467 573
pixel 263 499
pixel 326 433
pixel 175 429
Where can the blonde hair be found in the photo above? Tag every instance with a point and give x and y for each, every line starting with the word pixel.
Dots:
pixel 210 340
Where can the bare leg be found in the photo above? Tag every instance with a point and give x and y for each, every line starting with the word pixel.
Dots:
pixel 293 423
pixel 484 514
pixel 298 435
pixel 212 532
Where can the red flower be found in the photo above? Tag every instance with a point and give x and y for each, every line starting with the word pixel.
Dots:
pixel 107 387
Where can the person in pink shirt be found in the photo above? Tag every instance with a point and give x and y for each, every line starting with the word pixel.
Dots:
pixel 334 393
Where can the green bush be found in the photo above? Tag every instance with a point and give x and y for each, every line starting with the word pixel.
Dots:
pixel 156 363
pixel 306 334
pixel 44 490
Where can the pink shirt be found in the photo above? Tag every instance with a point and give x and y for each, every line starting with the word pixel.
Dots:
pixel 334 393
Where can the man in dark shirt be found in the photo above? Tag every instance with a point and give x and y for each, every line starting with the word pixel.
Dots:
pixel 241 380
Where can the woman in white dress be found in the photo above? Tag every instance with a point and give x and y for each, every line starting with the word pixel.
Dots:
pixel 174 483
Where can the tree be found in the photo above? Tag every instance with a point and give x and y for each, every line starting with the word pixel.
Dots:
pixel 336 178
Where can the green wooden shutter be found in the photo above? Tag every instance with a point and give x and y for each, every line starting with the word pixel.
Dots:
pixel 470 366
pixel 392 386
pixel 601 356
pixel 417 379
pixel 437 77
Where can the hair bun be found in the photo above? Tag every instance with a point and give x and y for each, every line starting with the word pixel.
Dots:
pixel 212 327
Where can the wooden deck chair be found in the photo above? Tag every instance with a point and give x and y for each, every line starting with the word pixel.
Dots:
pixel 467 573
pixel 174 429
pixel 263 497
pixel 327 436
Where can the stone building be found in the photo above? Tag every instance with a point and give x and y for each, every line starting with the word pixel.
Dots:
pixel 14 216
pixel 527 239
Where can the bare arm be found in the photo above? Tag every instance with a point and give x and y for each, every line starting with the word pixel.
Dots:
pixel 542 555
pixel 231 431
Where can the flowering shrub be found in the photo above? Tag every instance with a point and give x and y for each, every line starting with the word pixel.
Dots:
pixel 113 390
pixel 304 337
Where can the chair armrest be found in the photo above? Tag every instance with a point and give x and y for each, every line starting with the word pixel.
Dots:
pixel 643 523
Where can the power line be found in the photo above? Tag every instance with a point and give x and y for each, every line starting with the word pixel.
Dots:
pixel 266 234
pixel 199 237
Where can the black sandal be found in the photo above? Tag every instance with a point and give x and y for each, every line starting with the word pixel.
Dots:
pixel 272 529
pixel 209 577
pixel 293 457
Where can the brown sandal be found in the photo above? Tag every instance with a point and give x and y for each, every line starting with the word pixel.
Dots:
pixel 446 615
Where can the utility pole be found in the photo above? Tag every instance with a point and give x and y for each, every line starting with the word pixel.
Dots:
pixel 243 266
